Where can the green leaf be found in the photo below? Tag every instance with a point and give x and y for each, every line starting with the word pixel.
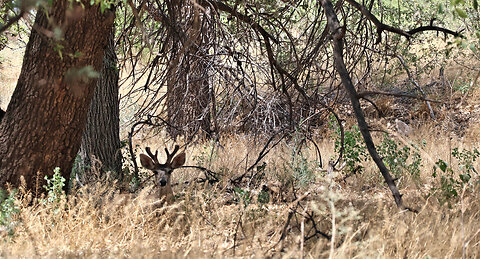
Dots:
pixel 461 12
pixel 465 177
pixel 441 9
pixel 457 2
pixel 442 165
pixel 475 5
pixel 472 47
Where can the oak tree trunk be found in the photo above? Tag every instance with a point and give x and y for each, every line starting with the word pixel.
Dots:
pixel 101 140
pixel 48 110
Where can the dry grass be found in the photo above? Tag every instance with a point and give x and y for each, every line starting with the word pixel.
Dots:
pixel 10 65
pixel 210 221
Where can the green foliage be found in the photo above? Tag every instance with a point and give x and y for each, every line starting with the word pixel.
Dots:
pixel 452 182
pixel 298 168
pixel 396 157
pixel 302 169
pixel 263 198
pixel 105 4
pixel 242 196
pixel 8 10
pixel 246 197
pixel 54 188
pixel 462 86
pixel 354 148
pixel 7 210
pixel 207 155
pixel 466 159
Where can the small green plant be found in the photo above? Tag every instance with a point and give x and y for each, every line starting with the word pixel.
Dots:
pixel 54 188
pixel 299 168
pixel 452 183
pixel 7 210
pixel 206 156
pixel 354 148
pixel 303 172
pixel 263 198
pixel 463 87
pixel 396 157
pixel 242 196
pixel 466 159
pixel 448 183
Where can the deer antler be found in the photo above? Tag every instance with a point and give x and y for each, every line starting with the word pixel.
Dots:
pixel 153 157
pixel 170 156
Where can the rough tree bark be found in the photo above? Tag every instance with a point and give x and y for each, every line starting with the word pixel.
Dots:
pixel 188 99
pixel 47 113
pixel 101 138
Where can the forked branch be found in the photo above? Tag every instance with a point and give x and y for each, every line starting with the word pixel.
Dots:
pixel 337 38
pixel 384 27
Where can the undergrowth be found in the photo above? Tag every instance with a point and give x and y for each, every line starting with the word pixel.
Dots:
pixel 287 207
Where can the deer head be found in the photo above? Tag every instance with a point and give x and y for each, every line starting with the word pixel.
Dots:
pixel 162 171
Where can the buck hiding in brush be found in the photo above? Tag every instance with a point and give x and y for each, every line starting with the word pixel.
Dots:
pixel 163 172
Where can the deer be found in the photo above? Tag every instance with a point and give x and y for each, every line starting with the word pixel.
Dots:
pixel 163 172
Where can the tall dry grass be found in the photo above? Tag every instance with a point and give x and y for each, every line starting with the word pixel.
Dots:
pixel 215 221
pixel 358 213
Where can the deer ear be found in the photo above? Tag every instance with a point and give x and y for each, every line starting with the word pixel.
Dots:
pixel 146 162
pixel 178 161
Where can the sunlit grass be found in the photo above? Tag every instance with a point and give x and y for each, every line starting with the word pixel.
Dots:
pixel 210 221
pixel 216 221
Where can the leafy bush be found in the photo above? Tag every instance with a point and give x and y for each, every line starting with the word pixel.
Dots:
pixel 54 188
pixel 7 210
pixel 355 150
pixel 302 170
pixel 242 196
pixel 396 157
pixel 452 183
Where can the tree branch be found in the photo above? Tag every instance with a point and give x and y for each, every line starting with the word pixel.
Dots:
pixel 435 28
pixel 12 21
pixel 384 27
pixel 380 26
pixel 363 94
pixel 337 36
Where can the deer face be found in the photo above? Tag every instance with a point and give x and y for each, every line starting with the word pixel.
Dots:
pixel 162 171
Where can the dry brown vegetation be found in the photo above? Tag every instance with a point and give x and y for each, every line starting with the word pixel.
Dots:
pixel 214 221
pixel 356 213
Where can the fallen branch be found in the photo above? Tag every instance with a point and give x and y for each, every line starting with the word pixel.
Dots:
pixel 363 94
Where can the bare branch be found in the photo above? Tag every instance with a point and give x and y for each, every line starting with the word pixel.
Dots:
pixel 334 26
pixel 11 21
pixel 384 27
pixel 364 94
